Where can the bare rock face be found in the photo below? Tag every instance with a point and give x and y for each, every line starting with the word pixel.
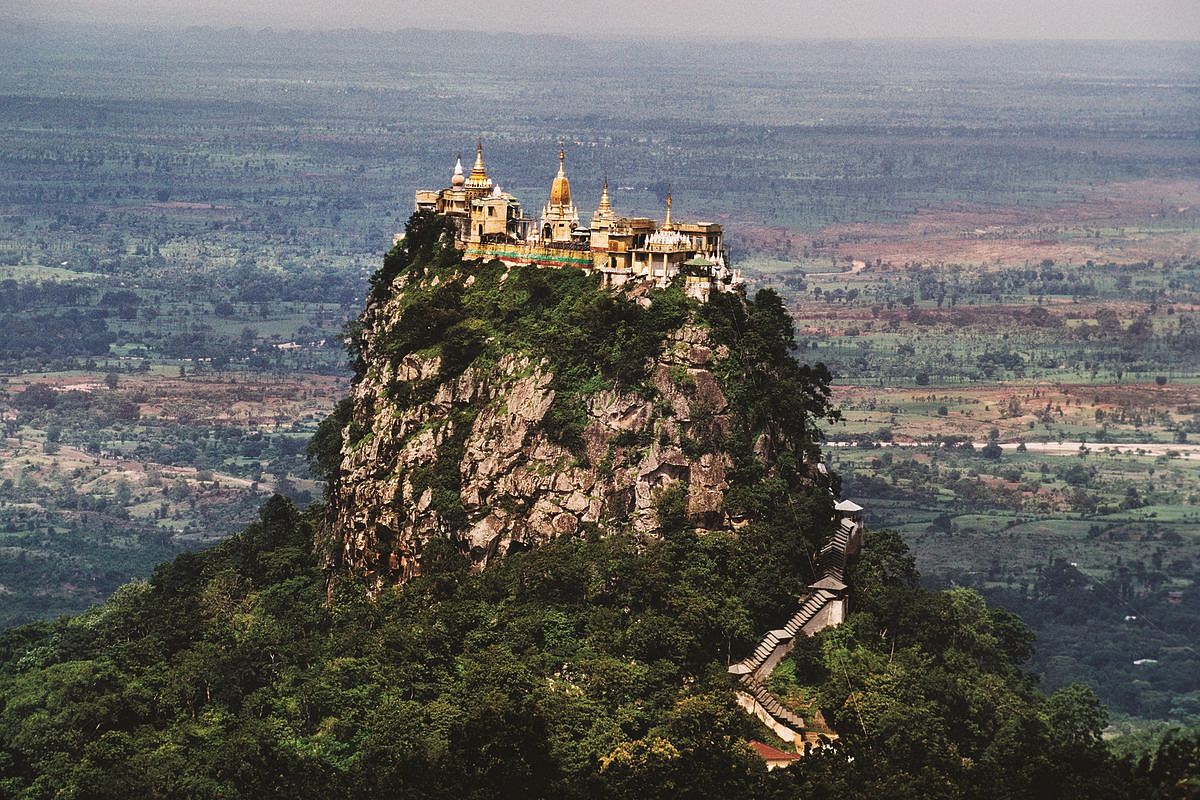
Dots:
pixel 474 463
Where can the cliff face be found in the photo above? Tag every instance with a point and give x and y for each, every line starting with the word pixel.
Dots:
pixel 517 487
pixel 498 408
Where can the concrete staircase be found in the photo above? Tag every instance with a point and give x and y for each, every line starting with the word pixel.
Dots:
pixel 833 553
pixel 772 705
pixel 823 607
pixel 808 609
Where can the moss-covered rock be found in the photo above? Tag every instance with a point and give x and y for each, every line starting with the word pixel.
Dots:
pixel 501 407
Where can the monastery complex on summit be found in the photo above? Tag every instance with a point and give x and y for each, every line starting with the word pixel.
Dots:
pixel 492 225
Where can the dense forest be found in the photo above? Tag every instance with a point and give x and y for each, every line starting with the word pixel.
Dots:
pixel 586 668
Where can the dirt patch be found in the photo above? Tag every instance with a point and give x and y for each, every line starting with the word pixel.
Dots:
pixel 1118 222
pixel 222 399
pixel 1019 411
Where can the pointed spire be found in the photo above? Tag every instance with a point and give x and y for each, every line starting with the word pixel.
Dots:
pixel 603 217
pixel 667 225
pixel 458 179
pixel 560 188
pixel 479 176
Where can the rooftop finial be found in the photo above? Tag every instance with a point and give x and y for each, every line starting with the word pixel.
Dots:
pixel 458 179
pixel 560 189
pixel 479 177
pixel 667 225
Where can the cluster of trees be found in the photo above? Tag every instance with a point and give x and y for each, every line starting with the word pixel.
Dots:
pixel 1100 628
pixel 40 405
pixel 57 562
pixel 58 324
pixel 23 295
pixel 48 333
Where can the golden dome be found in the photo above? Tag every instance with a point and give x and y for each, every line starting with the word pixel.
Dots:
pixel 560 190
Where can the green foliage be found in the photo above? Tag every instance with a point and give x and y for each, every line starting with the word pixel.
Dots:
pixel 926 692
pixel 776 404
pixel 1173 768
pixel 324 451
pixel 227 675
pixel 769 390
pixel 671 509
pixel 428 242
pixel 48 334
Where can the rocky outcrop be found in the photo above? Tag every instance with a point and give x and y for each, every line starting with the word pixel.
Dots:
pixel 473 462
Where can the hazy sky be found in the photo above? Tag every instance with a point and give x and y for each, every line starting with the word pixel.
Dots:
pixel 1000 19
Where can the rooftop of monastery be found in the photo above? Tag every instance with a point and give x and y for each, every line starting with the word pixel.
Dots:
pixel 491 224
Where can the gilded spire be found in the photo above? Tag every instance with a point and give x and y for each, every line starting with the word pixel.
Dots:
pixel 478 157
pixel 560 189
pixel 603 218
pixel 667 224
pixel 479 177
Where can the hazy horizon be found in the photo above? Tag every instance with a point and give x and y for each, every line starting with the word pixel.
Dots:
pixel 1153 20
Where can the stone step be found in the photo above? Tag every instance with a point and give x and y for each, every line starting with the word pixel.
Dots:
pixel 832 558
pixel 774 707
pixel 793 720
